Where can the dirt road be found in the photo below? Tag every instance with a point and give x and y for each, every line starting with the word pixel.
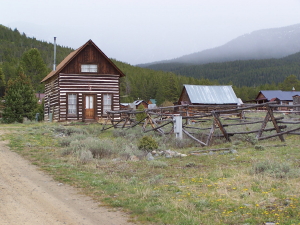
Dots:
pixel 28 196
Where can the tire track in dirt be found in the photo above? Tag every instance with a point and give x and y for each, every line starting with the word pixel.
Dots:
pixel 28 196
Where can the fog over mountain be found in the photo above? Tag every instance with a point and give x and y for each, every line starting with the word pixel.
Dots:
pixel 261 44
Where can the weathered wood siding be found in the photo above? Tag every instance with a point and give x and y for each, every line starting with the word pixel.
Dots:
pixel 51 103
pixel 68 79
pixel 89 55
pixel 184 98
pixel 88 84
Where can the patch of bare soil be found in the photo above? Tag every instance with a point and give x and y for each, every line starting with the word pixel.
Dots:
pixel 28 196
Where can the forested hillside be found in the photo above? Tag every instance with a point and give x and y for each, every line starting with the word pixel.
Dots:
pixel 248 73
pixel 142 83
pixel 138 83
pixel 13 45
pixel 145 84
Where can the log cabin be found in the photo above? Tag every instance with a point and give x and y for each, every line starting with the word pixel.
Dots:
pixel 82 87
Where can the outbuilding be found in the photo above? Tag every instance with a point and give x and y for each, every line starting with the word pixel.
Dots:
pixel 208 95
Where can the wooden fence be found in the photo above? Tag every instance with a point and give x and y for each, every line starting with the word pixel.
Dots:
pixel 203 123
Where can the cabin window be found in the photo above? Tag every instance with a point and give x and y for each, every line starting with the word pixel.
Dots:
pixel 107 102
pixel 72 104
pixel 89 68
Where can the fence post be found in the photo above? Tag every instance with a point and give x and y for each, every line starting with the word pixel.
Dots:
pixel 218 122
pixel 178 126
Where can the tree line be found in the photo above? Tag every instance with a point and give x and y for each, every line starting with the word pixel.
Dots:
pixel 25 61
pixel 250 73
pixel 144 83
pixel 15 49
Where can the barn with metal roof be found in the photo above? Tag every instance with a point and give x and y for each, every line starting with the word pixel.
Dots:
pixel 208 95
pixel 283 97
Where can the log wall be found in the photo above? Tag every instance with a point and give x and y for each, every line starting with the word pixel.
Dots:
pixel 88 84
pixel 51 99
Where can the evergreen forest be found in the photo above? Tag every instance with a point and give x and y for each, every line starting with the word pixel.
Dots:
pixel 247 77
pixel 249 73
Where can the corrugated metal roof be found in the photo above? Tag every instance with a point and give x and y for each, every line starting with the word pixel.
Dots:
pixel 281 95
pixel 204 94
pixel 153 101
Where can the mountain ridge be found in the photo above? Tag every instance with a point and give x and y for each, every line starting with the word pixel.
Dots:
pixel 259 44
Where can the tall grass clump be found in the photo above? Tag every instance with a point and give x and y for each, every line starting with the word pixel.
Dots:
pixel 158 164
pixel 74 147
pixel 65 141
pixel 85 156
pixel 100 148
pixel 68 130
pixel 134 133
pixel 275 169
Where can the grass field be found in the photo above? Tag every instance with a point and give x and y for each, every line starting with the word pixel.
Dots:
pixel 256 184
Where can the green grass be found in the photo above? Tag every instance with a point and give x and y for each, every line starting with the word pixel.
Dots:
pixel 242 188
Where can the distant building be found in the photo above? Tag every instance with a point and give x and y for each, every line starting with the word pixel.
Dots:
pixel 151 101
pixel 40 97
pixel 134 105
pixel 152 104
pixel 281 97
pixel 208 95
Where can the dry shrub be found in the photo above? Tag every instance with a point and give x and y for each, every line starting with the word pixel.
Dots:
pixel 158 164
pixel 85 156
pixel 66 141
pixel 99 148
pixel 275 169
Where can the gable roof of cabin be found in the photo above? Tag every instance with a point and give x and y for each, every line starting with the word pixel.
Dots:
pixel 72 55
pixel 210 94
pixel 281 95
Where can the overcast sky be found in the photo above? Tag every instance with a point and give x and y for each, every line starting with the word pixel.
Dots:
pixel 142 31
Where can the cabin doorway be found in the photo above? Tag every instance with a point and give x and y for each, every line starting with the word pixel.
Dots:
pixel 89 110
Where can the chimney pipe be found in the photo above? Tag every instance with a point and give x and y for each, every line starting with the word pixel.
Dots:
pixel 54 64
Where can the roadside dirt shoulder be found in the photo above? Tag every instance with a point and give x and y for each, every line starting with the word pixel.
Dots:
pixel 28 196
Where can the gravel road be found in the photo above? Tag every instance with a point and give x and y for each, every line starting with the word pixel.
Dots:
pixel 28 196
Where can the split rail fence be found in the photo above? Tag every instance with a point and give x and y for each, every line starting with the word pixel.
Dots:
pixel 204 123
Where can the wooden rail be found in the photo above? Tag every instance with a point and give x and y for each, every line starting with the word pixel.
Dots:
pixel 207 119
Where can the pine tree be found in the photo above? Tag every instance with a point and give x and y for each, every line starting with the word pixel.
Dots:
pixel 2 82
pixel 20 100
pixel 289 83
pixel 34 67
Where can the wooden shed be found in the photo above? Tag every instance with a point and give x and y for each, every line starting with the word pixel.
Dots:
pixel 83 87
pixel 208 95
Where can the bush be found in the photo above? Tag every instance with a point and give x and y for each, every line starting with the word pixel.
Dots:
pixel 75 146
pixel 251 138
pixel 275 169
pixel 66 141
pixel 85 156
pixel 259 147
pixel 158 164
pixel 147 143
pixel 142 115
pixel 119 133
pixel 99 148
pixel 69 130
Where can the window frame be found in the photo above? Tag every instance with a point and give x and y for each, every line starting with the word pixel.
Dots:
pixel 104 108
pixel 75 103
pixel 89 68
